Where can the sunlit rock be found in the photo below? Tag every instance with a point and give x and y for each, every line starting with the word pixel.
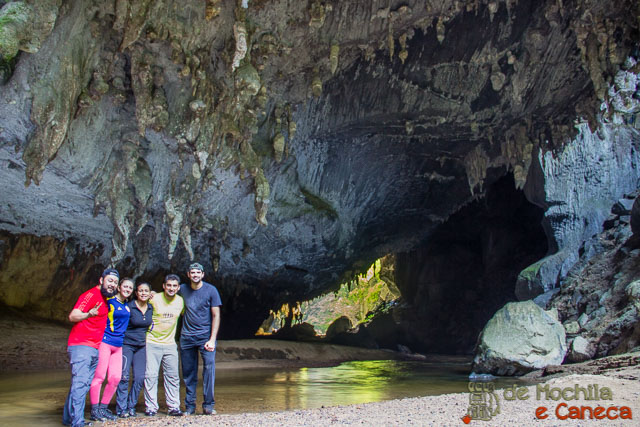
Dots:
pixel 580 350
pixel 519 338
pixel 334 56
pixel 240 34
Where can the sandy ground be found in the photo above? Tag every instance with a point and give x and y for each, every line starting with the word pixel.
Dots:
pixel 450 409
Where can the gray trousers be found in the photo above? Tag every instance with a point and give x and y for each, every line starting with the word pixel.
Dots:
pixel 167 357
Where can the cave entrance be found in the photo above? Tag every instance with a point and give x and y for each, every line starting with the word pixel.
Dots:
pixel 467 270
pixel 437 297
pixel 355 302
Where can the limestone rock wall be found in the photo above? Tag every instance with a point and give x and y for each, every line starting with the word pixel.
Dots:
pixel 578 186
pixel 44 276
pixel 285 145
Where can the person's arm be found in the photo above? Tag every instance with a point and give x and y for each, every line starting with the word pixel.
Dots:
pixel 78 315
pixel 215 325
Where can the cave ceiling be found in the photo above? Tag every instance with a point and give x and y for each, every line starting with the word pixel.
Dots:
pixel 278 142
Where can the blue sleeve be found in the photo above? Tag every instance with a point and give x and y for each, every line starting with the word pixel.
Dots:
pixel 215 297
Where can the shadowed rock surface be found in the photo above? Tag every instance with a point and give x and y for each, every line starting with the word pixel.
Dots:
pixel 286 145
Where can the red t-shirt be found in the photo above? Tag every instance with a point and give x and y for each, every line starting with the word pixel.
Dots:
pixel 89 332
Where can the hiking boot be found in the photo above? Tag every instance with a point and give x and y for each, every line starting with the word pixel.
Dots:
pixel 96 413
pixel 175 412
pixel 209 411
pixel 107 413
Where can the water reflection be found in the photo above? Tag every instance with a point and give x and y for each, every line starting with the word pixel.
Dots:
pixel 37 398
pixel 371 381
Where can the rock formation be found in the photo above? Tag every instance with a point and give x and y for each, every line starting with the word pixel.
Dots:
pixel 286 145
pixel 519 338
pixel 340 325
pixel 598 301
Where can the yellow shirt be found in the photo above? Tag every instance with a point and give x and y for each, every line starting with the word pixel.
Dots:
pixel 165 319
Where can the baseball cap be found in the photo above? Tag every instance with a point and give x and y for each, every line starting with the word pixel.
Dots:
pixel 112 272
pixel 196 266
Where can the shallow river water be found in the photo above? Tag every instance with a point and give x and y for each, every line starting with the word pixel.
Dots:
pixel 37 398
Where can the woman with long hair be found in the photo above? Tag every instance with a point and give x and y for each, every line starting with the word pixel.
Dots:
pixel 134 351
pixel 110 353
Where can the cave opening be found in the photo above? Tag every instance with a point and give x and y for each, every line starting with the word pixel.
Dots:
pixel 452 284
pixel 355 302
pixel 437 296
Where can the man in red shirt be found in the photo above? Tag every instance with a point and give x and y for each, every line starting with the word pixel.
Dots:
pixel 89 317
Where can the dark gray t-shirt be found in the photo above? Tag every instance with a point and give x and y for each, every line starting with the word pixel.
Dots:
pixel 196 323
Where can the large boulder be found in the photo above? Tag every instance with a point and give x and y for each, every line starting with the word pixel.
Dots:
pixel 299 332
pixel 519 338
pixel 357 337
pixel 341 324
pixel 581 350
pixel 385 331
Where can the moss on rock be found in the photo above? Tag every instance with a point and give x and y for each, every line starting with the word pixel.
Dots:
pixel 24 25
pixel 14 20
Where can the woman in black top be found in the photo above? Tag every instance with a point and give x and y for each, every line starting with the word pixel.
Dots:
pixel 134 351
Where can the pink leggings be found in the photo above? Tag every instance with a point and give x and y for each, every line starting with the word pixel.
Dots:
pixel 109 358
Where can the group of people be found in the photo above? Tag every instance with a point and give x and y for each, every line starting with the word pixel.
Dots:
pixel 113 336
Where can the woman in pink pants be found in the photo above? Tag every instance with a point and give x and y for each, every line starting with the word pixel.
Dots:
pixel 110 353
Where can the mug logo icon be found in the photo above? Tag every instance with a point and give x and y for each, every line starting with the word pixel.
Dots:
pixel 484 403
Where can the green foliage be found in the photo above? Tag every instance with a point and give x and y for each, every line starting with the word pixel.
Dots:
pixel 531 272
pixel 13 18
pixel 360 299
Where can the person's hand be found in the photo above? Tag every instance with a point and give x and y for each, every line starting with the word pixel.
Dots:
pixel 210 345
pixel 94 311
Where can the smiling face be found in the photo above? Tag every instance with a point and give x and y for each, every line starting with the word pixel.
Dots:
pixel 195 275
pixel 125 289
pixel 109 285
pixel 171 288
pixel 143 292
